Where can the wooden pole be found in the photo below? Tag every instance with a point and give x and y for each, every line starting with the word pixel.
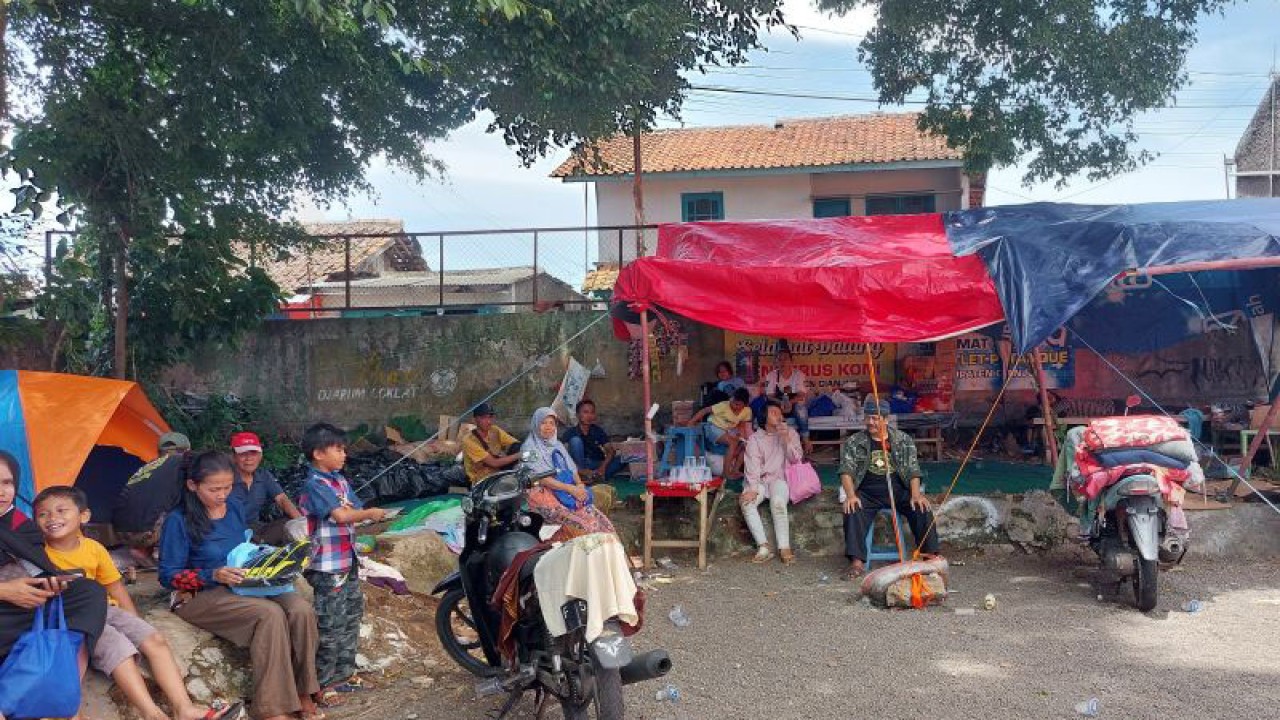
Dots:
pixel 1263 427
pixel 1253 263
pixel 1046 410
pixel 649 450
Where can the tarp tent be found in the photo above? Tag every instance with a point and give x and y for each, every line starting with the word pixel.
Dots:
pixel 925 277
pixel 67 427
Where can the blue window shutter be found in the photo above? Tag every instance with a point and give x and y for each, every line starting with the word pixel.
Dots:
pixel 696 207
pixel 831 207
pixel 900 204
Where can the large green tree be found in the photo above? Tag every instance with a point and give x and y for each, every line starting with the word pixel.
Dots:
pixel 161 123
pixel 1056 83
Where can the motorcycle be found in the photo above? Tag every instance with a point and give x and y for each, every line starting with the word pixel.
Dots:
pixel 583 676
pixel 1131 534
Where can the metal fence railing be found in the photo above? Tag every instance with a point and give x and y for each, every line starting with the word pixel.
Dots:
pixel 379 270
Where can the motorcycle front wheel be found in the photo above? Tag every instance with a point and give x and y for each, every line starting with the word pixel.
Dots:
pixel 1145 584
pixel 458 634
pixel 607 702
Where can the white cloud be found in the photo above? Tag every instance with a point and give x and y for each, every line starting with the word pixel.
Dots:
pixel 838 28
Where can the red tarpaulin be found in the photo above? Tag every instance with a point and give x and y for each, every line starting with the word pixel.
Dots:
pixel 890 278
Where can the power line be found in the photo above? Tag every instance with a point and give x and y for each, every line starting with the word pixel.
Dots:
pixel 854 98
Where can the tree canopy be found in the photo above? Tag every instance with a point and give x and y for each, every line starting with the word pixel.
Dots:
pixel 159 123
pixel 1054 82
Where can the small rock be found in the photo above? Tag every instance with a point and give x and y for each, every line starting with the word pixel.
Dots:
pixel 411 716
pixel 423 681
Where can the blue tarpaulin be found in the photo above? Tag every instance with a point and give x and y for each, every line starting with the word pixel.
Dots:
pixel 1048 261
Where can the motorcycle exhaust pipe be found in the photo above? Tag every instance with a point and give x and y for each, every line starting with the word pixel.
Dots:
pixel 648 666
pixel 1172 548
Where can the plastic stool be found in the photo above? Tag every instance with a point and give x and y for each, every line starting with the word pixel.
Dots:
pixel 683 442
pixel 885 553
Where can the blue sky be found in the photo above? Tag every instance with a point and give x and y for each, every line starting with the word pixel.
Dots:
pixel 486 187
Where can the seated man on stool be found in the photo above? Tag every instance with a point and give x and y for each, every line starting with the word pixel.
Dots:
pixel 865 474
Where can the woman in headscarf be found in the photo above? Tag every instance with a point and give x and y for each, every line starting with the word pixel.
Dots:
pixel 562 499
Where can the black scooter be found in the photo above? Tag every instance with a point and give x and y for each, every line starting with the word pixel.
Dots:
pixel 584 677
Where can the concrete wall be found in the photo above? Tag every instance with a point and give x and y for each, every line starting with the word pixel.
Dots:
pixel 762 197
pixel 350 371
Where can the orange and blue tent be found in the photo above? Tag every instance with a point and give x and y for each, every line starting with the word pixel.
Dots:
pixel 76 430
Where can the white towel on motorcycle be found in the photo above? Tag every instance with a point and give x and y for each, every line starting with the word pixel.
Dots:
pixel 592 568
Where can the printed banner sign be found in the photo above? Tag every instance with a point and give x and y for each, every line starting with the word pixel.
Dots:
pixel 827 365
pixel 983 358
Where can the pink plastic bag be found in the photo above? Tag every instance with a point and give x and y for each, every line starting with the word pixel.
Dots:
pixel 802 482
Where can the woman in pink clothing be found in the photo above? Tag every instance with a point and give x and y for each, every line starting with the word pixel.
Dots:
pixel 768 453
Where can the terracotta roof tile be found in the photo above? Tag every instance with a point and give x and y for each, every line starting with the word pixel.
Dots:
pixel 602 279
pixel 811 142
pixel 327 259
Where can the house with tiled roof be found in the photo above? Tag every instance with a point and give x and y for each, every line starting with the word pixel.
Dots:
pixel 388 273
pixel 1257 159
pixel 872 164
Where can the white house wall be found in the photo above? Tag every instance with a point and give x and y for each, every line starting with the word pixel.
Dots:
pixel 762 197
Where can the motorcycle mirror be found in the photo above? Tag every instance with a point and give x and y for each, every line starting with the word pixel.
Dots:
pixel 1132 401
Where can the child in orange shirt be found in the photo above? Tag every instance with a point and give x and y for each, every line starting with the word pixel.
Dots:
pixel 59 512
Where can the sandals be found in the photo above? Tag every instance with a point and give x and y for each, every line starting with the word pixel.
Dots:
pixel 330 698
pixel 763 555
pixel 853 572
pixel 355 683
pixel 227 712
pixel 787 556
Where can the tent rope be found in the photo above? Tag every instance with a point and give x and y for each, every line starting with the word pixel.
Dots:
pixel 973 446
pixel 888 459
pixel 1167 414
pixel 513 380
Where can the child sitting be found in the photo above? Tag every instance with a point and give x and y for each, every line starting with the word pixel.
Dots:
pixel 60 512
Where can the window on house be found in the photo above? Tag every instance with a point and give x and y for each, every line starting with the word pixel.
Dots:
pixel 900 204
pixel 696 207
pixel 831 207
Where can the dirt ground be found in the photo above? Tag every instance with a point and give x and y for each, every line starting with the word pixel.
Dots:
pixel 778 643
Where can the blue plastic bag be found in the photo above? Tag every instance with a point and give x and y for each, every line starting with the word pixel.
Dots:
pixel 565 475
pixel 40 677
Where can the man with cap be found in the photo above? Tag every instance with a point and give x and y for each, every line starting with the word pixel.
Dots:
pixel 866 474
pixel 254 485
pixel 151 492
pixel 487 448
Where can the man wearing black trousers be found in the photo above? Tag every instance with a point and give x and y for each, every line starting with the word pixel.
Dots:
pixel 865 476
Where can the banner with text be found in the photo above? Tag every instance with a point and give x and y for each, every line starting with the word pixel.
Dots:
pixel 827 365
pixel 983 358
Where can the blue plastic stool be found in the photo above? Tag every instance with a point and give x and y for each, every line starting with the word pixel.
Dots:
pixel 885 553
pixel 682 442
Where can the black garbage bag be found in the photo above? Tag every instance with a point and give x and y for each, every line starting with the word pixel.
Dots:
pixel 434 480
pixel 455 475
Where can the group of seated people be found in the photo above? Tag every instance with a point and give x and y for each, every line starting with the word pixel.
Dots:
pixel 879 471
pixel 576 498
pixel 728 415
pixel 302 653
pixel 761 436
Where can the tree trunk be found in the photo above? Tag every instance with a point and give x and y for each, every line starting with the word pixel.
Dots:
pixel 637 192
pixel 120 362
pixel 4 53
